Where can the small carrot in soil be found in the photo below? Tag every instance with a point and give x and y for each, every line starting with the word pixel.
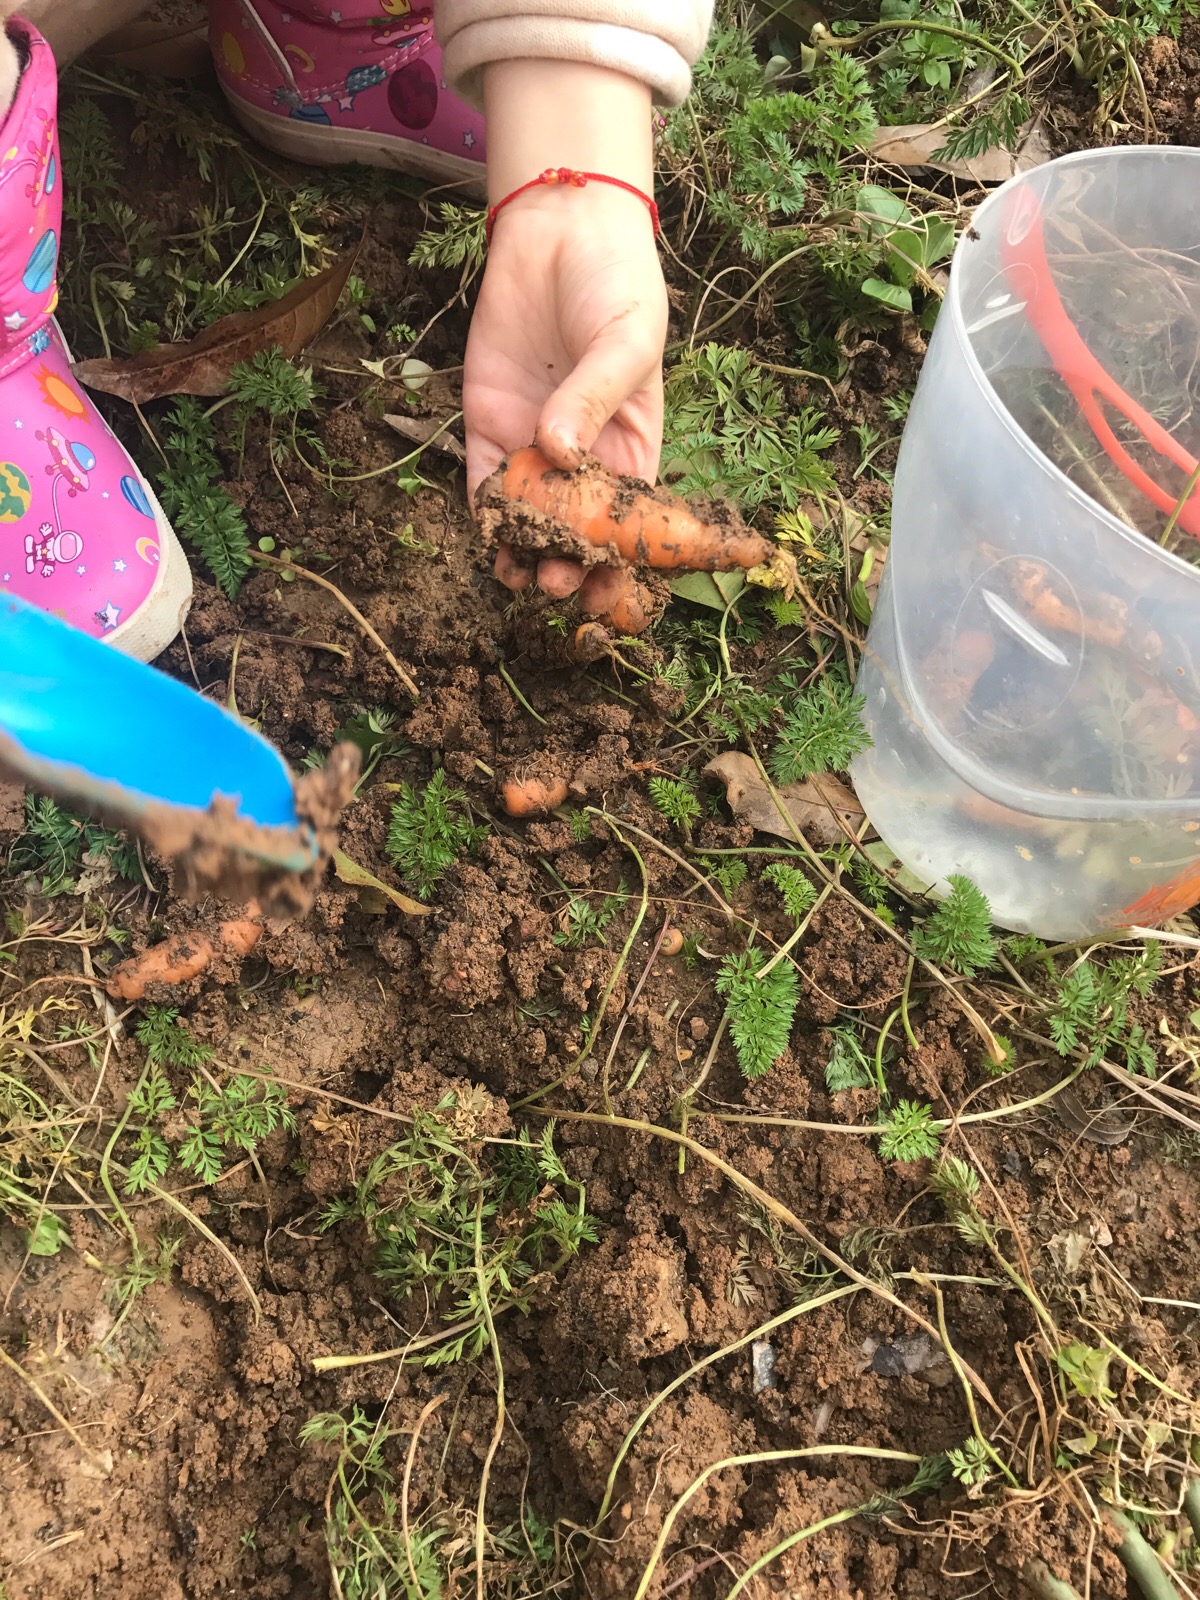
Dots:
pixel 592 641
pixel 634 609
pixel 532 797
pixel 596 516
pixel 183 956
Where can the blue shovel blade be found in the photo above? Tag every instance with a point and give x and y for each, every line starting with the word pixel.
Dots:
pixel 90 721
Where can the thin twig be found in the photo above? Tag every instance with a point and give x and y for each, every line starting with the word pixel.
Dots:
pixel 777 1209
pixel 102 1466
pixel 409 1460
pixel 349 606
pixel 809 1452
pixel 498 1430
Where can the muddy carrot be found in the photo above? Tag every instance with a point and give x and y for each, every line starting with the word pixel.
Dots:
pixel 183 956
pixel 623 519
pixel 955 665
pixel 592 641
pixel 532 797
pixel 632 611
pixel 1032 583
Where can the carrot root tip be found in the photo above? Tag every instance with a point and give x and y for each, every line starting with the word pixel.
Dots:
pixel 780 572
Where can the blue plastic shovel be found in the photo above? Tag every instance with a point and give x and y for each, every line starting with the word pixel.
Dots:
pixel 81 722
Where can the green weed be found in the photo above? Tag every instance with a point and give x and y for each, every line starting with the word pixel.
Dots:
pixel 586 922
pixel 203 514
pixel 370 1557
pixel 729 873
pixel 581 826
pixel 374 732
pixel 429 830
pixel 911 1134
pixel 822 729
pixel 972 1465
pixel 677 800
pixel 167 1041
pixel 767 145
pixel 142 1271
pixel 958 932
pixel 796 891
pixel 368 1554
pixel 730 431
pixel 760 1009
pixel 1090 1010
pixel 847 1066
pixel 1086 1369
pixel 457 242
pixel 424 1200
pixel 32 1142
pixel 150 1100
pixel 912 245
pixel 64 851
pixel 236 1115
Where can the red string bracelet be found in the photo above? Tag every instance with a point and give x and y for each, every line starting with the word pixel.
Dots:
pixel 576 180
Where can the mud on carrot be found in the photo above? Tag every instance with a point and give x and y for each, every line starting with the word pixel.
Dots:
pixel 184 956
pixel 594 516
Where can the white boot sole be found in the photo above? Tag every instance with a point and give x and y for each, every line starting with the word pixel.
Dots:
pixel 157 621
pixel 318 146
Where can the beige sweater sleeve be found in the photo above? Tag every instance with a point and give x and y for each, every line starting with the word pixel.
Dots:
pixel 656 41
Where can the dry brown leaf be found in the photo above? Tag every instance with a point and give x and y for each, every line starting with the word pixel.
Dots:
pixel 202 365
pixel 913 144
pixel 818 806
pixel 428 431
pixel 170 49
pixel 1102 1125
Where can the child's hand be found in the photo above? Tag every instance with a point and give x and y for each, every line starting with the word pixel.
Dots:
pixel 567 340
pixel 566 347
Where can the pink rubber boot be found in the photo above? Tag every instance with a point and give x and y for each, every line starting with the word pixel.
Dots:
pixel 81 534
pixel 324 83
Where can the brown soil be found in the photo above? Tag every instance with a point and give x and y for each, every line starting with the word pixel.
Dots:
pixel 196 1484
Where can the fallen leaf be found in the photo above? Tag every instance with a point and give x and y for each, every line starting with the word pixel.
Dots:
pixel 415 374
pixel 864 542
pixel 349 872
pixel 1069 1251
pixel 202 365
pixel 428 431
pixel 884 860
pixel 1102 1124
pixel 169 49
pixel 818 806
pixel 714 589
pixel 913 144
pixel 802 14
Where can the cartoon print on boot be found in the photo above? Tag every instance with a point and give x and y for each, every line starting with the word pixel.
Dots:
pixel 40 156
pixel 50 549
pixel 413 96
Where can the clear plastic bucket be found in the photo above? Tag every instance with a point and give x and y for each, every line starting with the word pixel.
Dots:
pixel 1032 672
